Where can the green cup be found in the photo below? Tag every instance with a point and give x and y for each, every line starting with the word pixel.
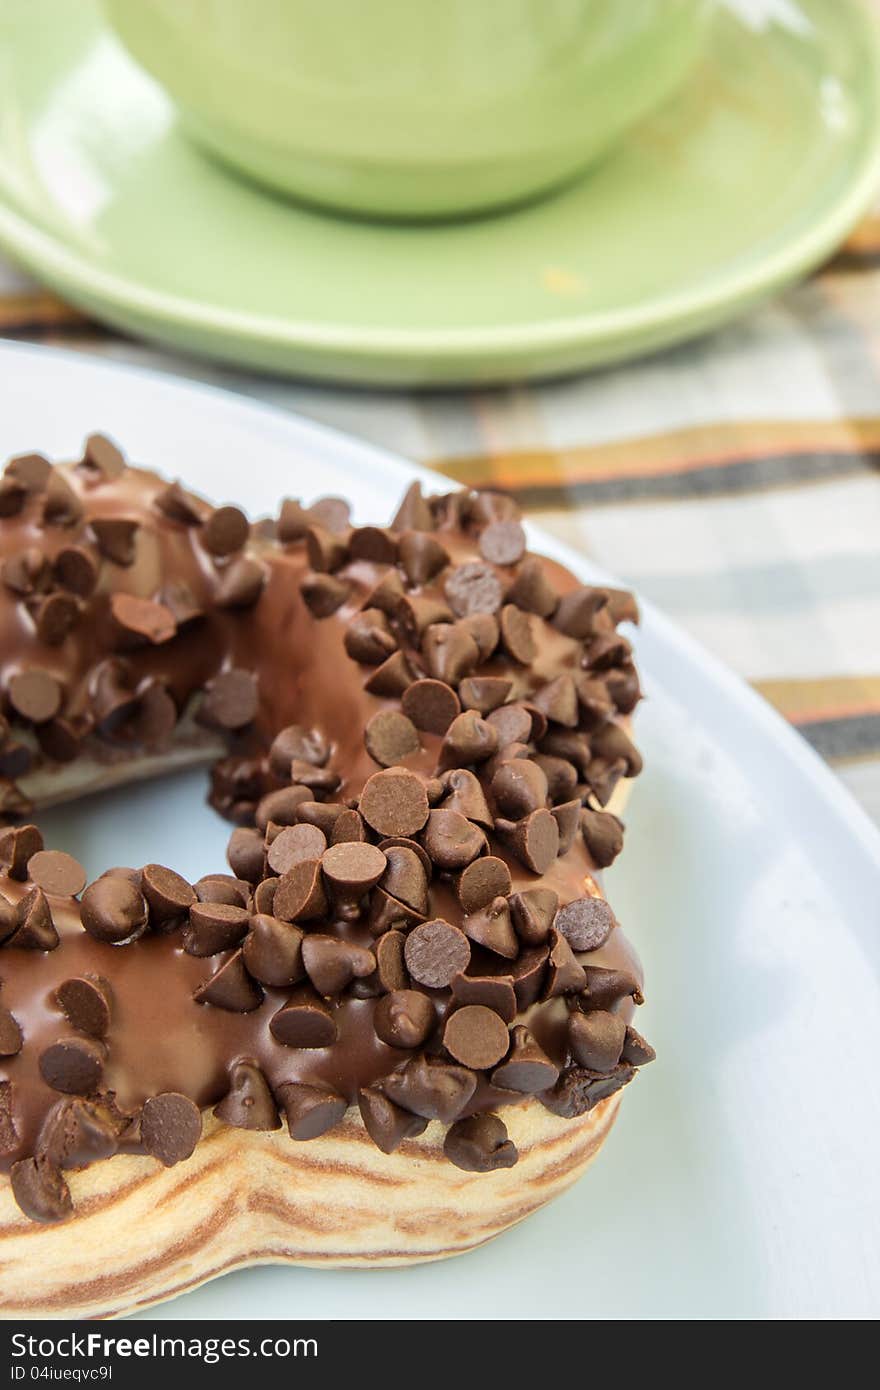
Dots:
pixel 412 108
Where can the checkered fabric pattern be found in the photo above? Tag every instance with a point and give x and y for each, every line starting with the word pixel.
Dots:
pixel 734 481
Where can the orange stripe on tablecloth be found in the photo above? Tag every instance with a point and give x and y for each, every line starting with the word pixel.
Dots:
pixel 696 449
pixel 819 699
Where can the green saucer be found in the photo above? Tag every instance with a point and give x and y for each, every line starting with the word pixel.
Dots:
pixel 748 179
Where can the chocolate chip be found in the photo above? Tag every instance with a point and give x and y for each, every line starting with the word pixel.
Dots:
pixel 40 1190
pixel 393 802
pixel 596 1039
pixel 368 637
pixel 421 555
pixel 503 543
pixel 579 1090
pixel 603 836
pixel 558 700
pixel 605 987
pixel 59 740
pixel 167 894
pixel 36 929
pixel 612 742
pixel 533 912
pixel 473 588
pixel 476 1036
pixel 55 617
pixel 292 845
pixel 415 613
pixel 333 513
pixel 225 531
pixel 78 1132
pixel 331 964
pixel 352 869
pixel 86 1002
pixel 481 881
pixel 73 1065
pixel 272 951
pixel 564 974
pixel 114 910
pixel 534 840
pixel 586 923
pixel 327 551
pixel 390 737
pixel 449 652
pixel 512 724
pixel 636 1051
pixel 181 602
pixel 12 496
pixel 624 688
pixel 179 505
pixel 465 796
pixel 480 1144
pixel 434 1090
pixel 519 787
pixel 18 845
pixel 485 631
pixel 469 739
pixel 56 873
pixel 15 760
pixel 603 777
pixel 404 1018
pixel 61 506
pixel 451 841
pixel 240 584
pixel 116 537
pixel 245 853
pixel 386 913
pixel 11 1039
pixel 35 695
pixel 320 779
pixel 494 992
pixel 230 700
pixel 576 614
pixel 348 828
pixel 405 877
pixel 435 952
pixel 32 471
pixel 222 888
pixel 491 927
pixel 323 594
pixel 390 679
pixel 413 514
pixel 532 589
pixel 484 693
pixel 248 1104
pixel 386 1123
pixel 282 807
pixel 230 988
pixel 214 927
pixel 171 1126
pixel 101 455
pixel 310 1110
pixel 304 1021
pixel 527 1067
pixel 27 572
pixel 517 634
pixel 431 705
pixel 373 543
pixel 562 778
pixel 567 817
pixel 390 968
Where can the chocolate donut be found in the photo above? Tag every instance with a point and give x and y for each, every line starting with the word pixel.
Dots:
pixel 403 1019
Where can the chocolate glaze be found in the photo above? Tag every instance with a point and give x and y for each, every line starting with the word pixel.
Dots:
pixel 159 1039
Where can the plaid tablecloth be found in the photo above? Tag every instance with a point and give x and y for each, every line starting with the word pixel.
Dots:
pixel 735 481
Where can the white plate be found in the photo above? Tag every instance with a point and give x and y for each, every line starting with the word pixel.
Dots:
pixel 741 1179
